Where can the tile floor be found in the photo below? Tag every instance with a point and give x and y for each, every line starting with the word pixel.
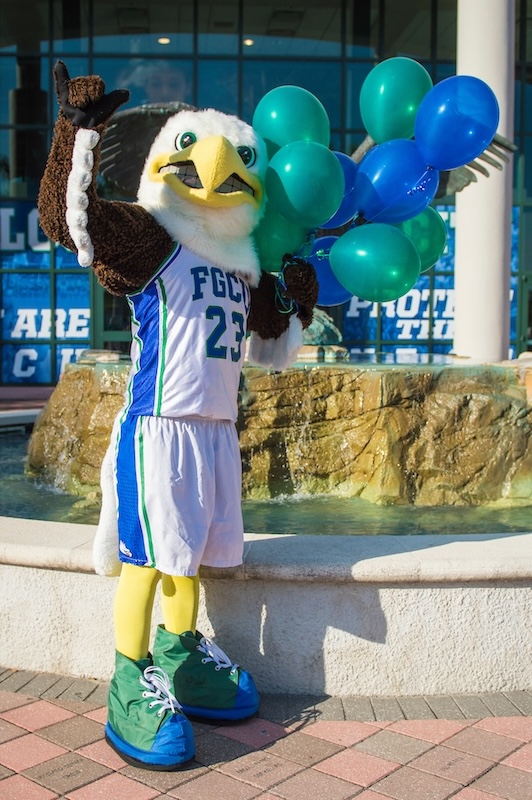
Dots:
pixel 474 747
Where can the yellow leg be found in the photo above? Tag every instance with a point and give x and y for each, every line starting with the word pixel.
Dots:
pixel 133 609
pixel 179 601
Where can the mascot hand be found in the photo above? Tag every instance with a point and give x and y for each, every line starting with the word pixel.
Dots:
pixel 83 100
pixel 298 283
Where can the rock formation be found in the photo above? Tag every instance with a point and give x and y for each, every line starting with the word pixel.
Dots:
pixel 421 435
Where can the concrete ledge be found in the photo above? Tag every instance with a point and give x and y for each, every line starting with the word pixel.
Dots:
pixel 287 557
pixel 17 417
pixel 340 615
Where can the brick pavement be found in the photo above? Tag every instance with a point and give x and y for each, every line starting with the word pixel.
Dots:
pixel 468 747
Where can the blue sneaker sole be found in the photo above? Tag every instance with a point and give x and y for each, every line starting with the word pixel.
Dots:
pixel 144 759
pixel 220 714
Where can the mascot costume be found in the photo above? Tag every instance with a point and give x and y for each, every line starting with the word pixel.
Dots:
pixel 184 257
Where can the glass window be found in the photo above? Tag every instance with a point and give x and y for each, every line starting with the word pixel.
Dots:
pixel 116 313
pixel 407 29
pixel 362 28
pixel 218 85
pixel 22 242
pixel 148 80
pixel 147 27
pixel 526 240
pixel 311 29
pixel 70 26
pixel 8 81
pixel 218 28
pixel 527 163
pixel 322 78
pixel 446 31
pixel 356 74
pixel 24 25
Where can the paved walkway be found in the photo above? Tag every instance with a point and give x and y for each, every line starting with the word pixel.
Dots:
pixel 474 747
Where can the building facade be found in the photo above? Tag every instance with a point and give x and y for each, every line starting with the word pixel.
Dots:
pixel 226 56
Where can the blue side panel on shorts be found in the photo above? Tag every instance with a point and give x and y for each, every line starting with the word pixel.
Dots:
pixel 132 548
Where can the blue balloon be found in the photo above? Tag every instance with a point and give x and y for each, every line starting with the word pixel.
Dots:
pixel 393 182
pixel 348 206
pixel 331 292
pixel 456 121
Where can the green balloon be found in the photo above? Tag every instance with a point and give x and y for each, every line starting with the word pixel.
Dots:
pixel 289 114
pixel 305 183
pixel 376 262
pixel 390 97
pixel 275 236
pixel 429 234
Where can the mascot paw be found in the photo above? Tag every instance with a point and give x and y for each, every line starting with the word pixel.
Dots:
pixel 83 100
pixel 300 286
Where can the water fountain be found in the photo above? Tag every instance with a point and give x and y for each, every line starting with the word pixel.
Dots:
pixel 390 614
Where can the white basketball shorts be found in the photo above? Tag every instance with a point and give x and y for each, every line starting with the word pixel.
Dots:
pixel 178 489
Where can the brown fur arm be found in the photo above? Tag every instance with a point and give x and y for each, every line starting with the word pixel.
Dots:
pixel 266 317
pixel 128 242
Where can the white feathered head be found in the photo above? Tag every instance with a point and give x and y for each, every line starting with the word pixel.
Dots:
pixel 203 181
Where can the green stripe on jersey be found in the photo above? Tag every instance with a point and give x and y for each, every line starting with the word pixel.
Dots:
pixel 163 339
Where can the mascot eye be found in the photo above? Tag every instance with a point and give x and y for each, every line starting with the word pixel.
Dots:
pixel 184 140
pixel 247 154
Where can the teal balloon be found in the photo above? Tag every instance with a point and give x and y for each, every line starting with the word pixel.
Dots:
pixel 305 183
pixel 289 114
pixel 275 236
pixel 375 262
pixel 390 97
pixel 429 234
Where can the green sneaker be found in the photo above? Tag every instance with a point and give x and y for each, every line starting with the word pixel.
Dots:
pixel 206 682
pixel 145 723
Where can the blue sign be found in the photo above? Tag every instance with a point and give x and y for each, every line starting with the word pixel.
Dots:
pixel 420 316
pixel 29 320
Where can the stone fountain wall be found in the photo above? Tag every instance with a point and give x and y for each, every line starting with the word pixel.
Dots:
pixel 420 435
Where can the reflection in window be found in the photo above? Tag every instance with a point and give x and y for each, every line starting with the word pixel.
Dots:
pixel 312 29
pixel 218 85
pixel 322 78
pixel 149 81
pixel 116 314
pixel 147 27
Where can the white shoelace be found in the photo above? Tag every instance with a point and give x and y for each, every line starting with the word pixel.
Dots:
pixel 216 654
pixel 157 685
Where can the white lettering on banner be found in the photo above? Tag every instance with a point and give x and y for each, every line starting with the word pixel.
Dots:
pixel 411 313
pixel 24 361
pixel 20 240
pixel 6 242
pixel 69 354
pixel 35 239
pixel 356 305
pixel 72 323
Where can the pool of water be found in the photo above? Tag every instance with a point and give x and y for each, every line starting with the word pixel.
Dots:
pixel 21 496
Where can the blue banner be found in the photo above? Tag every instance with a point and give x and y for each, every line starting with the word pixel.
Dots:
pixel 36 311
pixel 410 323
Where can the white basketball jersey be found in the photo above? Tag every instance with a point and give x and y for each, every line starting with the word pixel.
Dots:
pixel 189 331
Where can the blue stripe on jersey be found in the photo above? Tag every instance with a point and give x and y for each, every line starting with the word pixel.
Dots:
pixel 149 311
pixel 132 544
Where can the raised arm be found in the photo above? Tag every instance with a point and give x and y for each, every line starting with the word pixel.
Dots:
pixel 70 210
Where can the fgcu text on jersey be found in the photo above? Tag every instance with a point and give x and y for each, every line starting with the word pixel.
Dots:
pixel 189 331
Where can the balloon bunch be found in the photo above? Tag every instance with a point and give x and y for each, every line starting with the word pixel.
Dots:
pixel 394 234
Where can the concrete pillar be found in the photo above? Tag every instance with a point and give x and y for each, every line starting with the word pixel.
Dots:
pixel 485 49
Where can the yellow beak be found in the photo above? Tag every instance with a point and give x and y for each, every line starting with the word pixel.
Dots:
pixel 209 172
